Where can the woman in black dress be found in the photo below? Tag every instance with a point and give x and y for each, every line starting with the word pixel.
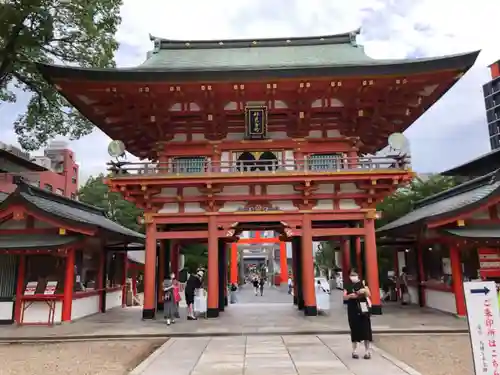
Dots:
pixel 357 295
pixel 193 283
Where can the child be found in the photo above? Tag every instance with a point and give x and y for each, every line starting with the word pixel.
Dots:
pixel 169 305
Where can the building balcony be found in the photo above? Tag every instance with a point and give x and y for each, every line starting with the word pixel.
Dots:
pixel 203 167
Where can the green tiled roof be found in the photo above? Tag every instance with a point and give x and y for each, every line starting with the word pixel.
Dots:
pixel 35 241
pixel 255 53
pixel 69 209
pixel 448 203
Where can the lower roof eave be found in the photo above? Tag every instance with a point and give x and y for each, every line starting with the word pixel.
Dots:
pixel 29 242
pixel 461 62
pixel 474 233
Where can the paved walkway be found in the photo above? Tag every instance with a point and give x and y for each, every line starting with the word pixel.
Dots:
pixel 269 355
pixel 253 315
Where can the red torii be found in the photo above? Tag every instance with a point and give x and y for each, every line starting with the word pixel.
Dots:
pixel 258 240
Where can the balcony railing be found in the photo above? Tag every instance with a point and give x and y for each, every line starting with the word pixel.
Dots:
pixel 203 166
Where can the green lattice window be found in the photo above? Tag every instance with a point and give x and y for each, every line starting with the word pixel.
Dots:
pixel 193 164
pixel 324 162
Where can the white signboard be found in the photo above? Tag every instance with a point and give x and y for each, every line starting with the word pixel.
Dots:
pixel 31 288
pixel 484 325
pixel 50 288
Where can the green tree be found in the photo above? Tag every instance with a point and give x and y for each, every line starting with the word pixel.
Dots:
pixel 404 199
pixel 96 193
pixel 325 256
pixel 195 255
pixel 74 32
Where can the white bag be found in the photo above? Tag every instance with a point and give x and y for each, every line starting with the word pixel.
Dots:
pixel 200 303
pixel 406 298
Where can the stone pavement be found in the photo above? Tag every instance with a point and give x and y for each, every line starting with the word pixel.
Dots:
pixel 253 315
pixel 272 294
pixel 266 355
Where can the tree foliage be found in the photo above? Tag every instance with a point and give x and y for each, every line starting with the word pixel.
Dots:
pixel 195 256
pixel 74 32
pixel 96 193
pixel 403 200
pixel 325 256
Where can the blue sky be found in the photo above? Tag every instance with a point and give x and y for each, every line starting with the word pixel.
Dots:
pixel 451 132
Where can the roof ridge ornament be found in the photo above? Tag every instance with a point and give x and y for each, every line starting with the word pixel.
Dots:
pixel 352 37
pixel 156 45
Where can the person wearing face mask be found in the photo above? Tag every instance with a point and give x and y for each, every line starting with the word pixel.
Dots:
pixel 357 294
pixel 169 305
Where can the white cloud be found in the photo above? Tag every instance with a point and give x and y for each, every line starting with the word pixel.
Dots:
pixel 451 132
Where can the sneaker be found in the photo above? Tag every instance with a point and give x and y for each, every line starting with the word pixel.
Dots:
pixel 168 322
pixel 173 321
pixel 355 355
pixel 367 356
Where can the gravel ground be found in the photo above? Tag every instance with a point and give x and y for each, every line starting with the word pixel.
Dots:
pixel 75 358
pixel 432 354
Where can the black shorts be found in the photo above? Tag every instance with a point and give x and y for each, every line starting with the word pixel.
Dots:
pixel 189 298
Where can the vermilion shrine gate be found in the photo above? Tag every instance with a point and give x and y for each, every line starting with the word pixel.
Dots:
pixel 287 123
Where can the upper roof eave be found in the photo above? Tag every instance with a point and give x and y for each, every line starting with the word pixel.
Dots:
pixel 164 43
pixel 490 160
pixel 459 62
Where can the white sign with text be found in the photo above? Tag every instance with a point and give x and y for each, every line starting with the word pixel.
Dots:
pixel 483 316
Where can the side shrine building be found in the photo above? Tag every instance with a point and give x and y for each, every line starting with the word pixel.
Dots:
pixel 60 259
pixel 272 134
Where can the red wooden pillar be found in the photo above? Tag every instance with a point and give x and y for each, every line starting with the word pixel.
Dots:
pixel 359 259
pixel 309 292
pixel 233 277
pixel 149 309
pixel 352 160
pixel 372 265
pixel 346 258
pixel 216 161
pixel 21 276
pixel 213 268
pixel 69 282
pixel 283 263
pixel 161 273
pixel 124 279
pixel 457 278
pixel 226 301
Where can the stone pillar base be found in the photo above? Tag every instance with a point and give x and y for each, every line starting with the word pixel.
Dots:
pixel 376 310
pixel 212 313
pixel 148 314
pixel 310 310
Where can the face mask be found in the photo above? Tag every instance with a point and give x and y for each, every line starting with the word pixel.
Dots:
pixel 354 279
